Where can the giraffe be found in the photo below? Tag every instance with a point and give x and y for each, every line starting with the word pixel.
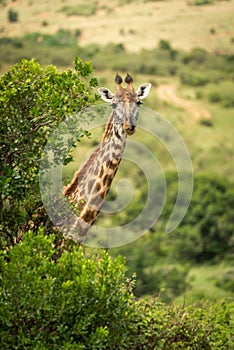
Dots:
pixel 91 183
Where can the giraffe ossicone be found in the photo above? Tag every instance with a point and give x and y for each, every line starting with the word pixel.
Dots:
pixel 91 183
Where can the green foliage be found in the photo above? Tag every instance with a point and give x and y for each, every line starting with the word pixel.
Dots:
pixel 200 2
pixel 193 78
pixel 62 38
pixel 33 101
pixel 162 261
pixel 206 122
pixel 207 327
pixel 91 50
pixel 164 45
pixel 71 302
pixel 195 68
pixel 124 2
pixel 46 48
pixel 201 67
pixel 156 273
pixel 196 56
pixel 207 229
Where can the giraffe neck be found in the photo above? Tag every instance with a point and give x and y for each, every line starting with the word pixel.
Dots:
pixel 92 182
pixel 110 155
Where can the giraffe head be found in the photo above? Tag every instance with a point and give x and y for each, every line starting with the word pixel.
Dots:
pixel 125 102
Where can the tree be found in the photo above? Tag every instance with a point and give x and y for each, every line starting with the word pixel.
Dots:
pixel 12 16
pixel 211 212
pixel 33 101
pixel 206 233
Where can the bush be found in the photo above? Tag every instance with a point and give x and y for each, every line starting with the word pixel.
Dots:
pixel 206 122
pixel 17 43
pixel 62 38
pixel 222 93
pixel 206 327
pixel 197 56
pixel 193 78
pixel 72 302
pixel 213 94
pixel 68 301
pixel 207 229
pixel 46 48
pixel 164 45
pixel 200 2
pixel 85 9
pixel 12 16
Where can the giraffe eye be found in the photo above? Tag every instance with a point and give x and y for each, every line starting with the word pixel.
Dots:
pixel 113 105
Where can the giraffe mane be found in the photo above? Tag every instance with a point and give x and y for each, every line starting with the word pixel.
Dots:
pixel 68 190
pixel 108 126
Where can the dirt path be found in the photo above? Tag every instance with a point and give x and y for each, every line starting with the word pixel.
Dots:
pixel 168 94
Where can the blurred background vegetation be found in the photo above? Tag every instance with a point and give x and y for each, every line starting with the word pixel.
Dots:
pixel 186 47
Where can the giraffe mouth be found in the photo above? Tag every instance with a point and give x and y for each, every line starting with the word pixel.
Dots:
pixel 129 131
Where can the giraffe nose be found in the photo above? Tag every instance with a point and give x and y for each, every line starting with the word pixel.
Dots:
pixel 132 128
pixel 129 128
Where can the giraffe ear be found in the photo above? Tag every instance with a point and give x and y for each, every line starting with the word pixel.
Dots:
pixel 106 94
pixel 143 90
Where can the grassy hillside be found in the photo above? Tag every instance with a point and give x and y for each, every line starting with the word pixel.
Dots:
pixel 136 24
